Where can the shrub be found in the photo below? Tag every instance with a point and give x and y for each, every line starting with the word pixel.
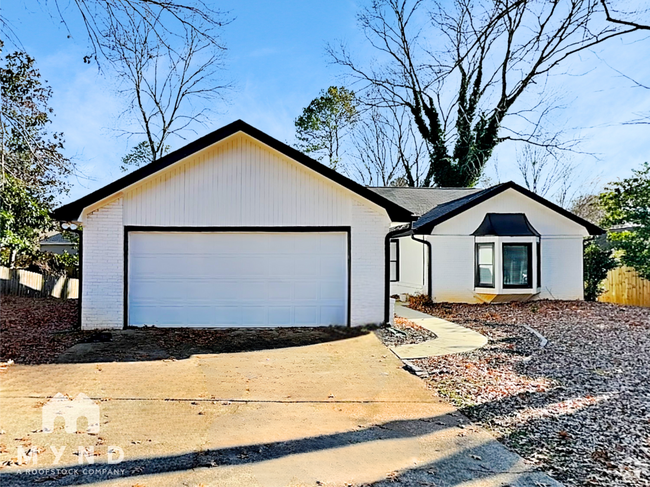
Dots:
pixel 597 263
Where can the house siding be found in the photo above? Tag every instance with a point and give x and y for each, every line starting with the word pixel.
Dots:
pixel 412 268
pixel 103 268
pixel 453 251
pixel 241 182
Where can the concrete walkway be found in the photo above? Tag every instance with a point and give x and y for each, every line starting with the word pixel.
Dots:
pixel 452 338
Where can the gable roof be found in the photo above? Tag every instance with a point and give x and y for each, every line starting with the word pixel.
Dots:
pixel 420 200
pixel 445 211
pixel 72 211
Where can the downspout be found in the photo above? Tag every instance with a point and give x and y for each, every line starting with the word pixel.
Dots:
pixel 401 230
pixel 429 265
pixel 81 273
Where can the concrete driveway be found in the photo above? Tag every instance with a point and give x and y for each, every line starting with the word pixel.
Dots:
pixel 337 413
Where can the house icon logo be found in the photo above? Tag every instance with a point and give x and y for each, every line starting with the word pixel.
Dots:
pixel 70 410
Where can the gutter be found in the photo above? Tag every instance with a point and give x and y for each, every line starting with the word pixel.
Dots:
pixel 399 231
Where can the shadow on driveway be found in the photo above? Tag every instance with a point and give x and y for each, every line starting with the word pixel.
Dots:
pixel 144 344
pixel 482 460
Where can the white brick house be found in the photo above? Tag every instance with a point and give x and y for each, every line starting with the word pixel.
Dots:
pixel 235 229
pixel 239 229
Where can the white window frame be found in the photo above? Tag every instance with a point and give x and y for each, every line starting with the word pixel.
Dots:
pixel 498 265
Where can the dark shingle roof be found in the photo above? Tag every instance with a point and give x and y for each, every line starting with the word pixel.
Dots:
pixel 450 208
pixel 421 200
pixel 56 239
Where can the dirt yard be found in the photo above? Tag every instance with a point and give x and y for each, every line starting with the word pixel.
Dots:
pixel 41 330
pixel 579 407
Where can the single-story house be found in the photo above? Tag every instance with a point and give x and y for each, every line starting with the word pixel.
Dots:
pixel 56 243
pixel 239 229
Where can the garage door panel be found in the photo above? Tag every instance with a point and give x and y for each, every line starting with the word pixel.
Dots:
pixel 237 279
pixel 307 290
pixel 306 265
pixel 280 290
pixel 331 291
pixel 331 266
pixel 253 316
pixel 331 314
pixel 307 315
pixel 280 316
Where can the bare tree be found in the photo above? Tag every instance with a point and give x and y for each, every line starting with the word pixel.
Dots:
pixel 466 97
pixel 555 176
pixel 102 18
pixel 588 207
pixel 388 151
pixel 162 80
pixel 542 170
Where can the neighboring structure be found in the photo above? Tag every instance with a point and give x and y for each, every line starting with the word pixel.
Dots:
pixel 503 243
pixel 235 229
pixel 57 244
pixel 239 229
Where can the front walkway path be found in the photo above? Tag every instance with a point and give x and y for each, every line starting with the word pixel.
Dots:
pixel 452 338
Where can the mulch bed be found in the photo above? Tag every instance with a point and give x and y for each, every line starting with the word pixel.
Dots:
pixel 40 330
pixel 579 408
pixel 405 332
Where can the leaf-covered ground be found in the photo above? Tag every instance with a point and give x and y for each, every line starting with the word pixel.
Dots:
pixel 579 407
pixel 37 330
pixel 41 330
pixel 404 332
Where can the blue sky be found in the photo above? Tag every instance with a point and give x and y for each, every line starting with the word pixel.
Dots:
pixel 276 59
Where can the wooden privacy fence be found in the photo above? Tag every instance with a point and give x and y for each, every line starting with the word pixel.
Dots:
pixel 624 286
pixel 19 282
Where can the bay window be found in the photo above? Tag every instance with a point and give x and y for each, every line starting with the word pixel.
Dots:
pixel 507 255
pixel 484 265
pixel 517 265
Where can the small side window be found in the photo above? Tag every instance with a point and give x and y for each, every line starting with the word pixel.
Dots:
pixel 484 265
pixel 394 260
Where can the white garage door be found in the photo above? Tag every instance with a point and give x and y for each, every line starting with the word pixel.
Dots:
pixel 237 279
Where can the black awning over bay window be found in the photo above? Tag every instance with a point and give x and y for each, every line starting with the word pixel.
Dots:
pixel 505 225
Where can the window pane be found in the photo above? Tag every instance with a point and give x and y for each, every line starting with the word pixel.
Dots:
pixel 486 276
pixel 485 254
pixel 516 265
pixel 393 250
pixel 485 264
pixel 393 271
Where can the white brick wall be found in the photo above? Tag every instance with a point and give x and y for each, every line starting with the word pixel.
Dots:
pixel 103 268
pixel 369 228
